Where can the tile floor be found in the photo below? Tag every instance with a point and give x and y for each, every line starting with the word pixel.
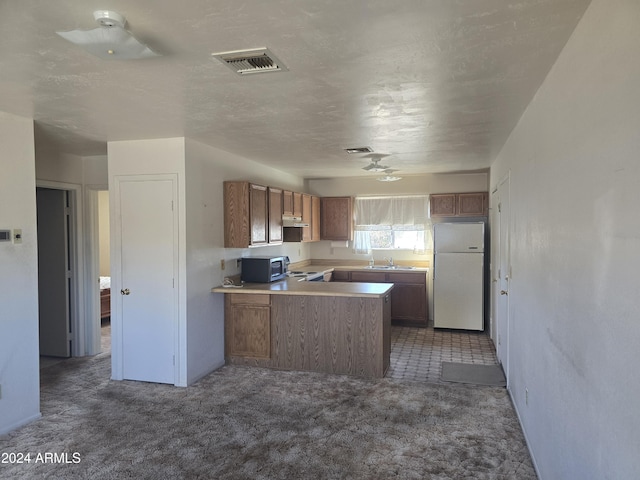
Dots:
pixel 417 353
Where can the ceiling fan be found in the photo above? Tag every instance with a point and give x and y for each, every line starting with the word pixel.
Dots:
pixel 374 166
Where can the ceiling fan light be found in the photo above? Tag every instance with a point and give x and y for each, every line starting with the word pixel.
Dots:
pixel 388 178
pixel 110 41
pixel 109 19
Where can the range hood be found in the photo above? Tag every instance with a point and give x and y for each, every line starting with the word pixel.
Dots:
pixel 291 221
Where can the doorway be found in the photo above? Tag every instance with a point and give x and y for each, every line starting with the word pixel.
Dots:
pixel 145 324
pixel 55 279
pixel 104 270
pixel 501 272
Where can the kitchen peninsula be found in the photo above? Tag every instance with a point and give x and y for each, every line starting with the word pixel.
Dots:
pixel 330 327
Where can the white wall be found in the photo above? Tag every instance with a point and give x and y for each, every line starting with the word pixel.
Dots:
pixel 206 169
pixel 148 157
pixel 575 191
pixel 19 348
pixel 201 171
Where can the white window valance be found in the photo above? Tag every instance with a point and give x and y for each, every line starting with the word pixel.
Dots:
pixel 396 210
pixel 392 222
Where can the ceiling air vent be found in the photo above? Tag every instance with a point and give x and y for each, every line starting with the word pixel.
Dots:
pixel 245 62
pixel 358 150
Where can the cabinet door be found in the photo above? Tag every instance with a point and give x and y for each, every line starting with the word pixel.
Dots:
pixel 237 232
pixel 340 276
pixel 473 204
pixel 306 217
pixel 258 205
pixel 442 205
pixel 275 215
pixel 368 277
pixel 336 218
pixel 315 219
pixel 409 304
pixel 248 325
pixel 287 202
pixel 297 204
pixel 250 331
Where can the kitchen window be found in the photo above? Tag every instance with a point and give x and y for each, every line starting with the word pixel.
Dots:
pixel 392 222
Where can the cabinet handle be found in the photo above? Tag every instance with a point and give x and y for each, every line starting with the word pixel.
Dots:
pixel 125 291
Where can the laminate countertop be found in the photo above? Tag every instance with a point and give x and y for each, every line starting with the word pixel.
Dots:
pixel 322 289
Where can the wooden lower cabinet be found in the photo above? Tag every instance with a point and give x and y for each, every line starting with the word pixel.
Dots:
pixel 248 325
pixel 330 334
pixel 408 297
pixel 340 276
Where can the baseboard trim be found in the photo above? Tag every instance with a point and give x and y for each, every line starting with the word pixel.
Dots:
pixel 524 432
pixel 19 424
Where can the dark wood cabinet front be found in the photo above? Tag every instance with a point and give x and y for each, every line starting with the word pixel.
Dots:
pixel 337 218
pixel 408 297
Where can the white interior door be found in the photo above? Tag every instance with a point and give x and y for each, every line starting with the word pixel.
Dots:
pixel 503 277
pixel 147 271
pixel 54 272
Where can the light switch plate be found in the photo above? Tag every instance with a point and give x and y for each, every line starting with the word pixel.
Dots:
pixel 17 235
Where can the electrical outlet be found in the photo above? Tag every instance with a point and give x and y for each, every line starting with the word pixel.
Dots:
pixel 526 396
pixel 222 264
pixel 17 236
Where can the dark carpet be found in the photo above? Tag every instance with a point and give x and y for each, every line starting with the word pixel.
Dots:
pixel 249 423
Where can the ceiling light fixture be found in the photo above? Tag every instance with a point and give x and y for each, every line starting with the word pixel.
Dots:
pixel 375 167
pixel 388 178
pixel 110 40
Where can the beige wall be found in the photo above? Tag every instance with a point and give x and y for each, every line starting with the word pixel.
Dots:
pixel 411 184
pixel 104 242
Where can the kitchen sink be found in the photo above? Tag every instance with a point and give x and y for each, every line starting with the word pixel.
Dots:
pixel 389 267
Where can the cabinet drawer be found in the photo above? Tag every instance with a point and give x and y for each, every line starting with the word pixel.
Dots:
pixel 249 299
pixel 371 277
pixel 407 278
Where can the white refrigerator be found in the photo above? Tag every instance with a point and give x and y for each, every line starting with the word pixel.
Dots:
pixel 458 277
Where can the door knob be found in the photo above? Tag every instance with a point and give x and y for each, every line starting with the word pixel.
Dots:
pixel 125 291
pixel 502 292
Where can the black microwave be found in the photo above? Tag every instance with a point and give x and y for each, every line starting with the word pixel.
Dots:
pixel 263 269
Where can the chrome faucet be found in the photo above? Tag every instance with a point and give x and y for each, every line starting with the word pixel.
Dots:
pixel 389 260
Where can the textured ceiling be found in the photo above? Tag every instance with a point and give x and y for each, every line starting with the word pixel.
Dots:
pixel 436 84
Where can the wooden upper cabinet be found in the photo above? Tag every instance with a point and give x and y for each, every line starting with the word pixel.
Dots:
pixel 306 217
pixel 275 215
pixel 315 219
pixel 259 214
pixel 246 215
pixel 287 202
pixel 336 218
pixel 442 204
pixel 474 204
pixel 297 204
